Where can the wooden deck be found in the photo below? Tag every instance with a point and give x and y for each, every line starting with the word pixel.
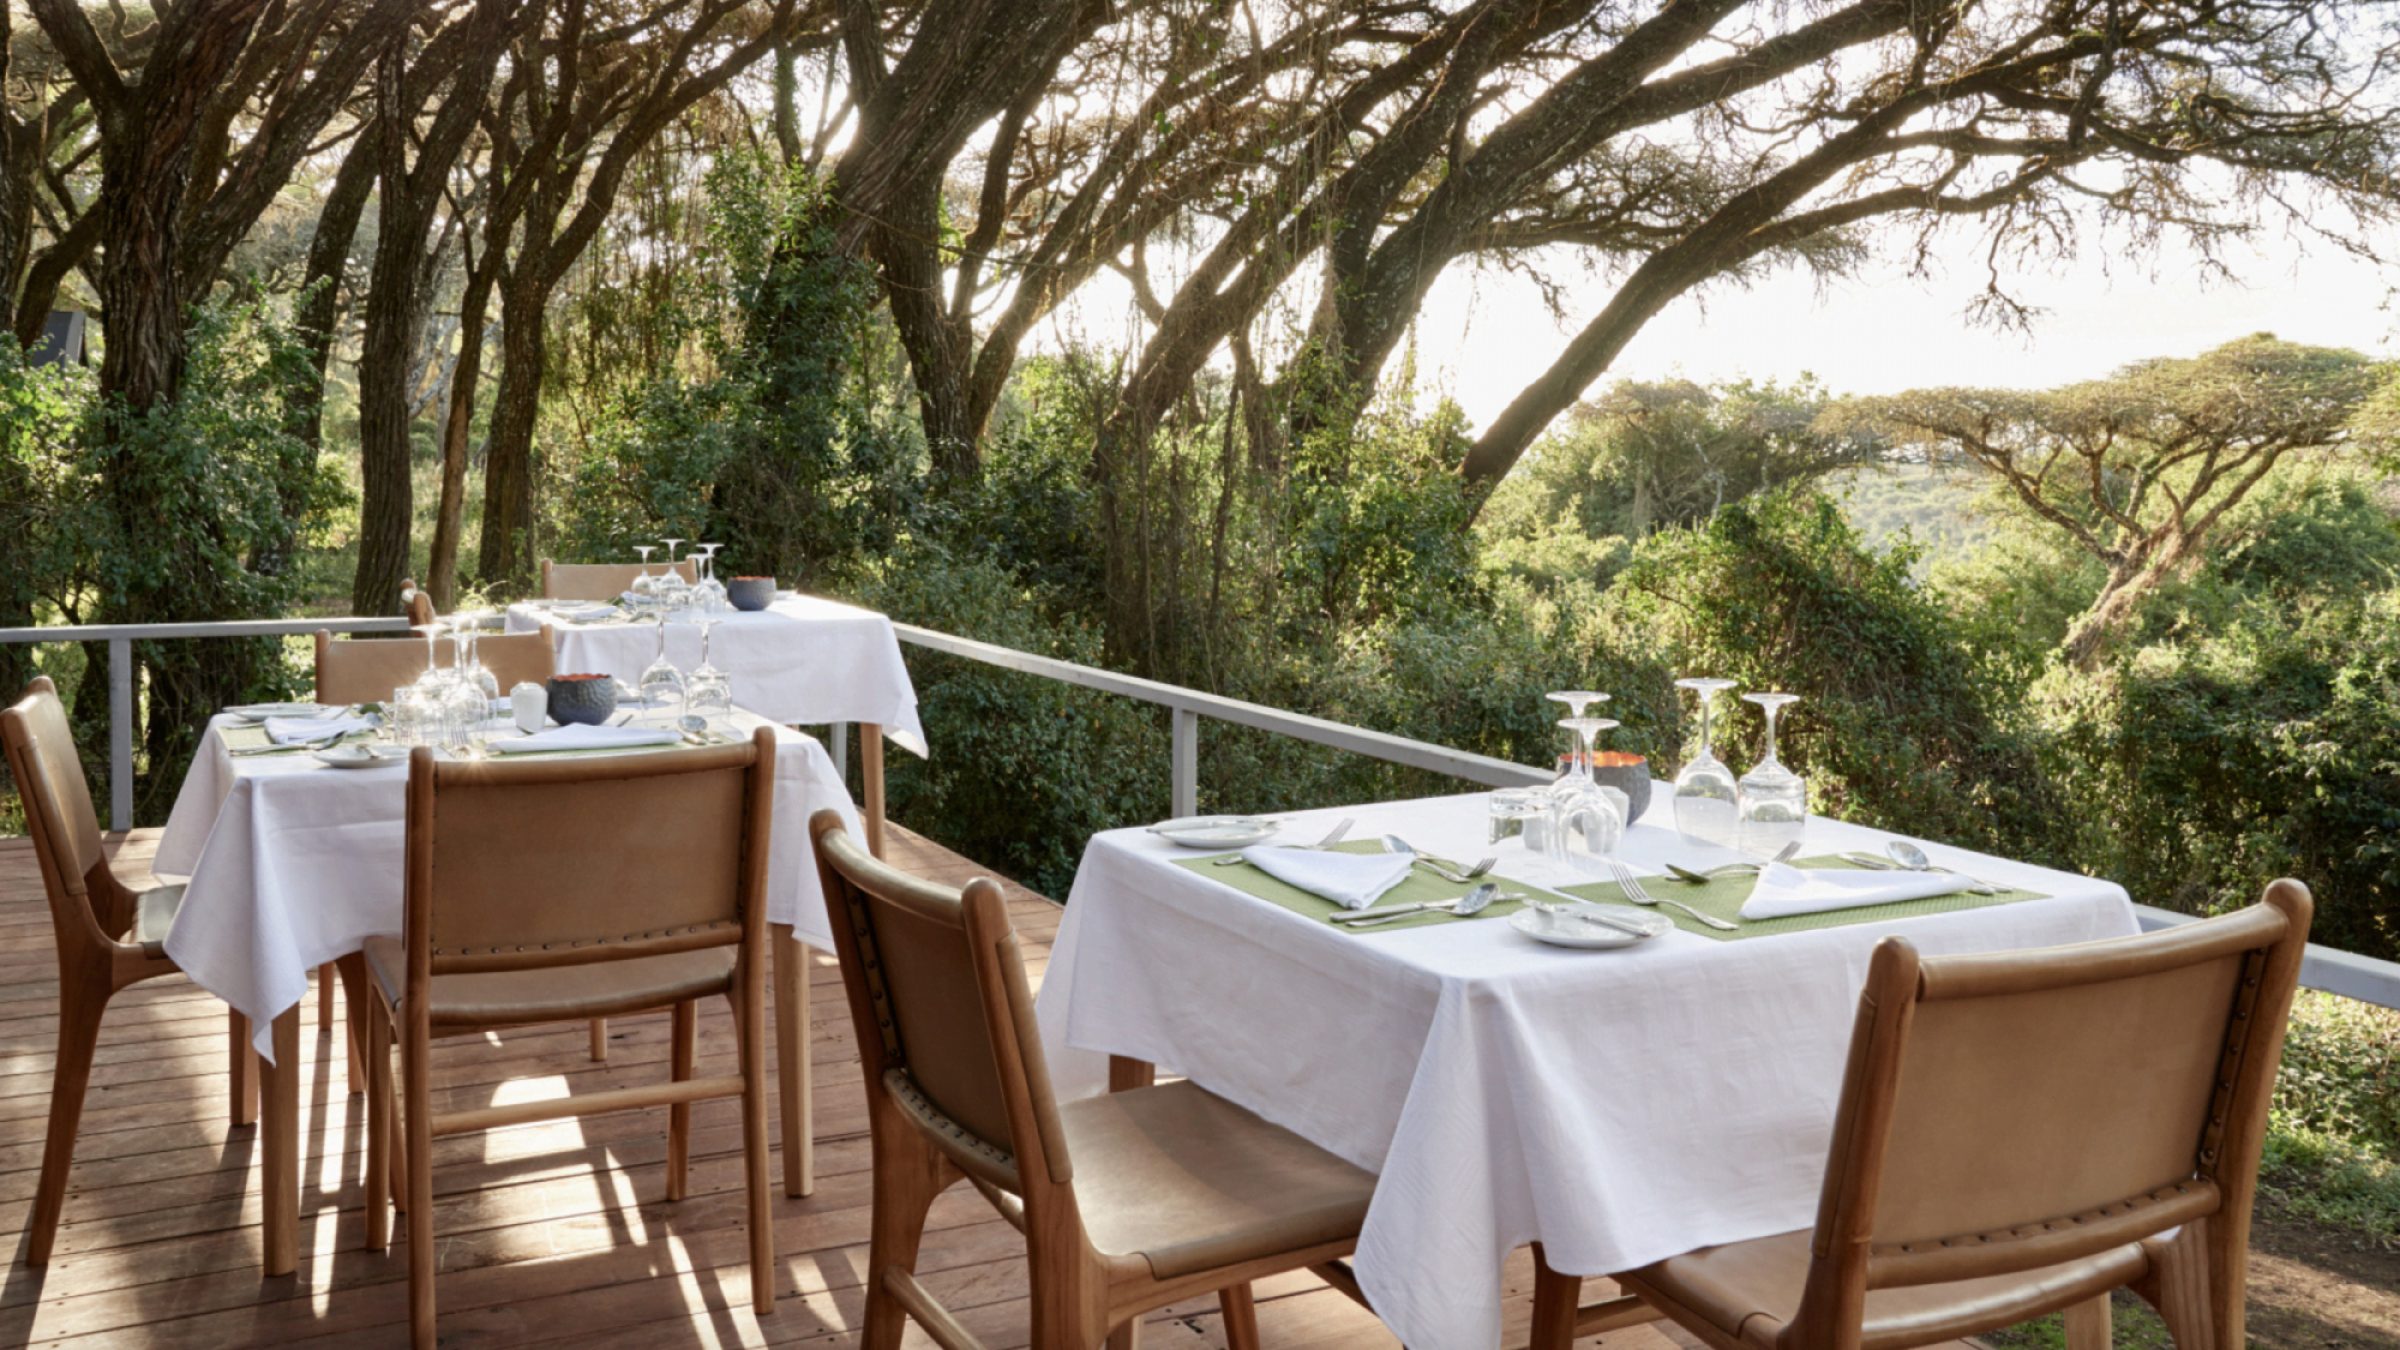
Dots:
pixel 550 1233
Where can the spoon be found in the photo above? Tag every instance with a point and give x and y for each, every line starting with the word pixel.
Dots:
pixel 1908 855
pixel 1466 906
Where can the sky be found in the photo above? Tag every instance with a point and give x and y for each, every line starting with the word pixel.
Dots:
pixel 1883 330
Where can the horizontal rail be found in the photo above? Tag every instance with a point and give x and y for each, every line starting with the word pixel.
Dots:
pixel 2348 974
pixel 1464 764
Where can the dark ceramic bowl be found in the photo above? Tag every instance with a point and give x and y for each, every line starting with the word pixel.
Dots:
pixel 1628 773
pixel 582 699
pixel 750 593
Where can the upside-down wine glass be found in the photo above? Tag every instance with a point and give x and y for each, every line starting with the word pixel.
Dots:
pixel 708 593
pixel 1773 804
pixel 1585 824
pixel 707 691
pixel 644 585
pixel 674 593
pixel 661 684
pixel 1706 795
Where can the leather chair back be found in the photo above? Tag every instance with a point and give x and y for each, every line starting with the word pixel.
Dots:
pixel 937 990
pixel 2011 1111
pixel 367 670
pixel 415 602
pixel 87 904
pixel 518 866
pixel 600 581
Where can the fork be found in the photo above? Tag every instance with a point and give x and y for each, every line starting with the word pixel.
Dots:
pixel 1631 885
pixel 1332 837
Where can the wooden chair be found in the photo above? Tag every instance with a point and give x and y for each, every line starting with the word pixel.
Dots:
pixel 2024 1132
pixel 415 602
pixel 367 670
pixel 109 935
pixel 1128 1202
pixel 599 581
pixel 555 892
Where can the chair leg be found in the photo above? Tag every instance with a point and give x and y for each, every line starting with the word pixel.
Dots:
pixel 378 1088
pixel 750 1016
pixel 795 1064
pixel 325 981
pixel 2178 1287
pixel 679 1116
pixel 78 1037
pixel 1241 1317
pixel 908 1176
pixel 415 1068
pixel 2090 1325
pixel 242 1068
pixel 599 1040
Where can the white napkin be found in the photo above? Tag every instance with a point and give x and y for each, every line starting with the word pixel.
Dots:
pixel 295 730
pixel 1351 880
pixel 580 737
pixel 1784 890
pixel 587 613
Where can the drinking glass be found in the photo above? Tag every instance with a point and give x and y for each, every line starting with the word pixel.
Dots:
pixel 708 593
pixel 673 592
pixel 405 717
pixel 644 585
pixel 463 709
pixel 435 681
pixel 1585 824
pixel 661 684
pixel 1706 795
pixel 1512 808
pixel 707 691
pixel 1773 801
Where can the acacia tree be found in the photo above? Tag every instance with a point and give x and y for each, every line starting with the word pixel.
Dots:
pixel 613 74
pixel 2136 470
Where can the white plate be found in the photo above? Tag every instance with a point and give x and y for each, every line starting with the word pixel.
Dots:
pixel 1215 831
pixel 260 712
pixel 1566 930
pixel 362 756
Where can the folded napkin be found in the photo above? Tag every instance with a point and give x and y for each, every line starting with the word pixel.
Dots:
pixel 1351 880
pixel 1784 890
pixel 593 612
pixel 297 730
pixel 579 737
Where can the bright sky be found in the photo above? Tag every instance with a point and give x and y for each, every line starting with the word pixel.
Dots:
pixel 1884 330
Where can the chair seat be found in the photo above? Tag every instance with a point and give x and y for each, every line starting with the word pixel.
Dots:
pixel 1751 1290
pixel 153 914
pixel 1189 1181
pixel 559 993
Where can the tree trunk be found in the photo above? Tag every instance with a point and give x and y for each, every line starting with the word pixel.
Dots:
pixel 2096 631
pixel 506 555
pixel 394 322
pixel 457 426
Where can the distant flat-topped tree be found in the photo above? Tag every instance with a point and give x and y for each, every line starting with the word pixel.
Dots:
pixel 2137 469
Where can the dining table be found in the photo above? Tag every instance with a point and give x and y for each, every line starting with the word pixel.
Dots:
pixel 804 660
pixel 290 863
pixel 1612 1107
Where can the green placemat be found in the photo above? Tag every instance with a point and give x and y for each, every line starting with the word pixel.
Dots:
pixel 253 736
pixel 1420 884
pixel 1723 898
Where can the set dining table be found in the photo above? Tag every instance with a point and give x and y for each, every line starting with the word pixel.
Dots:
pixel 291 863
pixel 1616 1107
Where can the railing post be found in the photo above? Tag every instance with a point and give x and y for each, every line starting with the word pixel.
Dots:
pixel 1184 758
pixel 837 743
pixel 120 733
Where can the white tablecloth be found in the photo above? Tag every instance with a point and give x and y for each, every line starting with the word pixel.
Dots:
pixel 803 660
pixel 293 863
pixel 1619 1107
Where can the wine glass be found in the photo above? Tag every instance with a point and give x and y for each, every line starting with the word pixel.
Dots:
pixel 672 590
pixel 644 584
pixel 708 691
pixel 708 593
pixel 1585 823
pixel 435 682
pixel 661 684
pixel 1576 700
pixel 1772 803
pixel 1705 792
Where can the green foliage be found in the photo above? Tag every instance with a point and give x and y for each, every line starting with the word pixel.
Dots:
pixel 775 449
pixel 1027 768
pixel 1645 456
pixel 1375 519
pixel 1894 727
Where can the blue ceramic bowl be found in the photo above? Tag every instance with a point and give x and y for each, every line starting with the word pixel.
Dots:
pixel 582 699
pixel 750 593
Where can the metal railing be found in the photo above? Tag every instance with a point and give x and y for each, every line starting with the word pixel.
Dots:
pixel 2365 978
